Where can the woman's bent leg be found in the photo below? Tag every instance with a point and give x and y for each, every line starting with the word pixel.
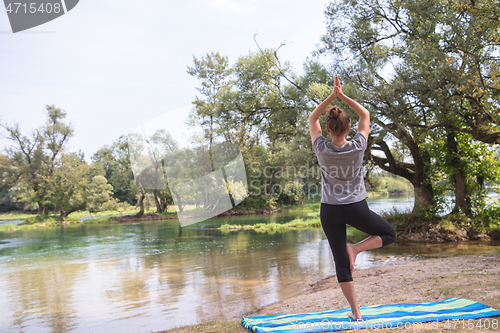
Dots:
pixel 362 218
pixel 372 242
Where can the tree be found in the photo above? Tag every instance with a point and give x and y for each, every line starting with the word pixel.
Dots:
pixel 148 156
pixel 8 200
pixel 100 196
pixel 35 157
pixel 470 165
pixel 426 69
pixel 68 184
pixel 213 71
pixel 161 146
pixel 115 162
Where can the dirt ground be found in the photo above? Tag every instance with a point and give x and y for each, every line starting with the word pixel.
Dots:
pixel 473 277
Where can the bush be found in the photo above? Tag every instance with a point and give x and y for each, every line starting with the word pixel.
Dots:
pixel 46 218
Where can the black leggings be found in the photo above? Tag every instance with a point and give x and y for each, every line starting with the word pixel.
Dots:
pixel 334 219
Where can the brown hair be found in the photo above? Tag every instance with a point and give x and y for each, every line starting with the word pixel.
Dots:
pixel 337 120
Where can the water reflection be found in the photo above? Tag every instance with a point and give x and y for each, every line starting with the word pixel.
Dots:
pixel 153 276
pixel 150 276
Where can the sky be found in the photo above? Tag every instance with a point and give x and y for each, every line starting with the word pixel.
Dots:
pixel 113 65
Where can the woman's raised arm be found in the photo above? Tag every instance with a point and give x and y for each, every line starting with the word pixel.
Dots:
pixel 364 115
pixel 314 126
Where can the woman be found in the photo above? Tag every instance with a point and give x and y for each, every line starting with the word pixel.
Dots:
pixel 344 195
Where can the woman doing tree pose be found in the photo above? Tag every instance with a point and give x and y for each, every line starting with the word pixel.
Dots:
pixel 343 199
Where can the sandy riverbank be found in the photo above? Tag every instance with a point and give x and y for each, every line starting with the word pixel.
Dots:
pixel 473 277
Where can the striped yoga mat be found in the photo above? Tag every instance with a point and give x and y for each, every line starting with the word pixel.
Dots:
pixel 453 312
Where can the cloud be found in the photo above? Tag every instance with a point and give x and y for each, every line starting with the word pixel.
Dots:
pixel 238 7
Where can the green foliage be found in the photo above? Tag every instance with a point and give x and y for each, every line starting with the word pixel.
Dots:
pixel 67 185
pixel 8 200
pixel 427 70
pixel 252 202
pixel 387 183
pixel 213 72
pixel 34 159
pixel 477 161
pixel 100 195
pixel 488 218
pixel 113 162
pixel 251 105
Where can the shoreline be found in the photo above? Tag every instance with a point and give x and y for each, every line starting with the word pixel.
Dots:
pixel 436 232
pixel 409 228
pixel 475 277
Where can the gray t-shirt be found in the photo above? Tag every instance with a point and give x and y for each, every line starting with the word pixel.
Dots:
pixel 341 170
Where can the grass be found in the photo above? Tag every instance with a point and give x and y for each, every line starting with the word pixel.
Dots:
pixel 33 221
pixel 11 216
pixel 313 222
pixel 305 208
pixel 51 218
pixel 263 227
pixel 120 211
pixel 97 220
pixel 14 216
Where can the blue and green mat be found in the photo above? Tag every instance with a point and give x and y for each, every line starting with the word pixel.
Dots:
pixel 454 312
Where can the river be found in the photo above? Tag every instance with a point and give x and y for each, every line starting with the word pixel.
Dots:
pixel 143 277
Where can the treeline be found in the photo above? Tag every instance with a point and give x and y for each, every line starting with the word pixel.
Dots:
pixel 428 72
pixel 37 172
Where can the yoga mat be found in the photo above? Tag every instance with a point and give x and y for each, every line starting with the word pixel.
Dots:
pixel 431 315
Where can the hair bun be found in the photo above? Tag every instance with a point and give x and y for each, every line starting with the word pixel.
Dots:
pixel 335 112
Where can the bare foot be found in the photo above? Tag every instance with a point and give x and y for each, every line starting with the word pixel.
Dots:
pixel 352 256
pixel 354 317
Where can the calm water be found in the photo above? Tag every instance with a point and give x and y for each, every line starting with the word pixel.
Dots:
pixel 152 276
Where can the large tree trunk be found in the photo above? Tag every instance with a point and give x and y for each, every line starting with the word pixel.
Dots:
pixel 45 210
pixel 424 193
pixel 423 196
pixel 458 175
pixel 141 200
pixel 163 204
pixel 157 203
pixel 141 204
pixel 417 173
pixel 40 208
